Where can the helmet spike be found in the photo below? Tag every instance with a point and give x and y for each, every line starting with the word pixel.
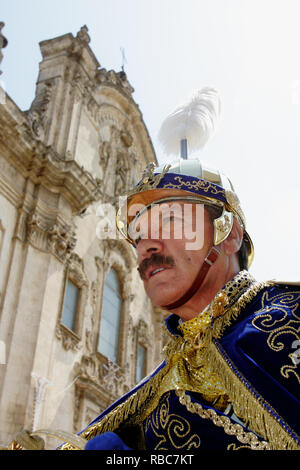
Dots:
pixel 183 149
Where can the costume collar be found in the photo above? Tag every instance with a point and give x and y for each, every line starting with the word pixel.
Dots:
pixel 223 300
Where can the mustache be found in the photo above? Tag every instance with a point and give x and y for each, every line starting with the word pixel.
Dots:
pixel 155 260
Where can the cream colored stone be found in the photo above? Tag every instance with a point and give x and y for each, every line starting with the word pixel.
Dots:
pixel 81 143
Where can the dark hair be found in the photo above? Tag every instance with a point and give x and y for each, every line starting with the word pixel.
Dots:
pixel 215 212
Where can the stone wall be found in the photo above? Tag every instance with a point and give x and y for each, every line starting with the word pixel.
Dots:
pixel 81 144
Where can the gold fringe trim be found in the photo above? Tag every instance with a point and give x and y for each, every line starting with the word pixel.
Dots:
pixel 250 408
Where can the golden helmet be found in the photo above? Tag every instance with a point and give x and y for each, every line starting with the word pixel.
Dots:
pixel 187 179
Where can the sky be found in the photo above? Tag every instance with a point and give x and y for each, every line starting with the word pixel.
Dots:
pixel 247 49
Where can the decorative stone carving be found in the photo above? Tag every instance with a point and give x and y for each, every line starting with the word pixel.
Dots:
pixel 37 111
pixel 40 385
pixel 121 177
pixel 59 239
pixel 90 317
pixel 125 163
pixel 83 34
pixel 112 377
pixel 87 368
pixel 102 263
pixel 3 42
pixel 89 401
pixel 69 340
pixel 104 151
pixel 91 104
pixel 117 79
pixel 76 270
pixel 44 166
pixel 77 407
pixel 122 247
pixel 126 138
pixel 103 374
pixel 108 152
pixel 143 333
pixel 37 232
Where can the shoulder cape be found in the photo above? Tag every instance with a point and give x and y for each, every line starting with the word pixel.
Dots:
pixel 255 354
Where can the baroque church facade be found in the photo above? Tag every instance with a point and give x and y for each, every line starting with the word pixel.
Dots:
pixel 76 328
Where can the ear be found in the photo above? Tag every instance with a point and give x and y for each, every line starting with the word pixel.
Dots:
pixel 233 242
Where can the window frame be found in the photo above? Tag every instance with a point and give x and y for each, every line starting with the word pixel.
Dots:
pixel 79 296
pixel 118 358
pixel 74 272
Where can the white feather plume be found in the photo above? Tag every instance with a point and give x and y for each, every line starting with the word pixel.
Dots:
pixel 195 121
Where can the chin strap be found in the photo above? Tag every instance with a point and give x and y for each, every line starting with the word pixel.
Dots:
pixel 208 262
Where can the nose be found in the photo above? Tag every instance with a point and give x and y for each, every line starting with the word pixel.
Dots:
pixel 147 247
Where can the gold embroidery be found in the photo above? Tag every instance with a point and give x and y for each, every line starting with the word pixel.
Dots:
pixel 230 428
pixel 196 184
pixel 234 447
pixel 149 179
pixel 280 325
pixel 172 426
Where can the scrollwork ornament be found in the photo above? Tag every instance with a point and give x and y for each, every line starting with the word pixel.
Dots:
pixel 274 318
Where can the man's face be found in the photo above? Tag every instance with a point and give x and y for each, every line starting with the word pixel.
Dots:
pixel 171 248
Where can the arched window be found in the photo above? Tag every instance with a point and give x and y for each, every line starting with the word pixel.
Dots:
pixel 108 343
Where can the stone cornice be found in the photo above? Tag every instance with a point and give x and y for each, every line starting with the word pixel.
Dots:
pixel 42 164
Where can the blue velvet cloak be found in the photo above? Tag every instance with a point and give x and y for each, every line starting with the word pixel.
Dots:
pixel 259 353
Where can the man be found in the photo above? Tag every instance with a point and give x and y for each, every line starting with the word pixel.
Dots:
pixel 230 377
